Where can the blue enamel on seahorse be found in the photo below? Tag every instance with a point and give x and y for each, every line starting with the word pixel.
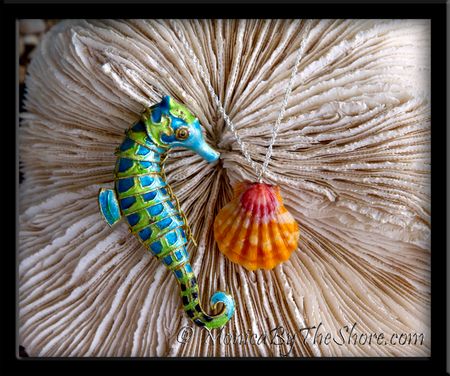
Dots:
pixel 144 198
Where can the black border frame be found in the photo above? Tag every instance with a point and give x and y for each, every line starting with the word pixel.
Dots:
pixel 287 9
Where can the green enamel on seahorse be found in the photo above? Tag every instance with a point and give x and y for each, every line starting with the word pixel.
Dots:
pixel 143 197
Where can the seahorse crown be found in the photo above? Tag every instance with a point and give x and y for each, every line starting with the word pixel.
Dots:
pixel 165 118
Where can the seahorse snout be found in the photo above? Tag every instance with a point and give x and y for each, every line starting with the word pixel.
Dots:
pixel 207 152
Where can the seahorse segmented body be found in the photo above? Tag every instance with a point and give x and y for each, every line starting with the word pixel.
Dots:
pixel 141 195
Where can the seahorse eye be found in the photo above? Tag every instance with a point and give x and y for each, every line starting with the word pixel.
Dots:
pixel 182 133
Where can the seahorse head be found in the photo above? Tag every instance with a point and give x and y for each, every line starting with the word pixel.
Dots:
pixel 170 124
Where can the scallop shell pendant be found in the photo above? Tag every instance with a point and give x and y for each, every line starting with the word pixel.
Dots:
pixel 254 229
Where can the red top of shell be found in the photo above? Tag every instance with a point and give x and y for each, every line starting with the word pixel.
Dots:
pixel 259 199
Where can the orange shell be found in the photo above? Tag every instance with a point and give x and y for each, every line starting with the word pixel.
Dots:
pixel 254 229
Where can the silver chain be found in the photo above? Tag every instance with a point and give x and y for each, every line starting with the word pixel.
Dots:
pixel 260 171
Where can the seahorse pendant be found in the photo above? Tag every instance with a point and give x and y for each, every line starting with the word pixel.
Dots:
pixel 142 196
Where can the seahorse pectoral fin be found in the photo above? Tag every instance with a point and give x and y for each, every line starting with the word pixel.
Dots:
pixel 109 206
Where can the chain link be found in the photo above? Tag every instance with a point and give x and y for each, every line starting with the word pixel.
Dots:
pixel 259 170
pixel 276 126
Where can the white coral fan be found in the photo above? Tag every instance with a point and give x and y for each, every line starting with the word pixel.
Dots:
pixel 352 159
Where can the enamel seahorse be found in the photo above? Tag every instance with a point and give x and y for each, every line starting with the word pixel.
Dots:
pixel 143 197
